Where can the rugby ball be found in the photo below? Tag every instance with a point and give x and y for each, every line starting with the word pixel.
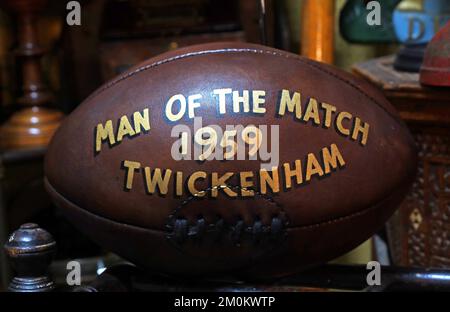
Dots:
pixel 231 158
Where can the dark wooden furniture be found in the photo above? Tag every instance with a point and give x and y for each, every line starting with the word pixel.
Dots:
pixel 34 124
pixel 120 55
pixel 22 194
pixel 24 199
pixel 30 249
pixel 117 34
pixel 419 233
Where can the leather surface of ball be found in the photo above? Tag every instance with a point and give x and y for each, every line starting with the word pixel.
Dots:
pixel 314 162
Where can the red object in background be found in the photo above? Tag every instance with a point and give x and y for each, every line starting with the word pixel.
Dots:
pixel 435 69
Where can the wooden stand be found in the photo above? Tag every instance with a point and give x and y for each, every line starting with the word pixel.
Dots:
pixel 419 230
pixel 30 250
pixel 34 124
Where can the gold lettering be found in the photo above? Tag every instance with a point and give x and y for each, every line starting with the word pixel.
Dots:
pixel 329 109
pixel 237 100
pixel 157 180
pixel 360 127
pixel 330 160
pixel 193 104
pixel 245 184
pixel 340 117
pixel 289 173
pixel 217 183
pixel 312 167
pixel 292 104
pixel 124 128
pixel 258 99
pixel 312 111
pixel 191 183
pixel 141 121
pixel 272 181
pixel 169 114
pixel 131 166
pixel 103 133
pixel 179 183
pixel 222 98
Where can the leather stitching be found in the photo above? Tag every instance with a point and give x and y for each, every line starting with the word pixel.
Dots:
pixel 240 50
pixel 243 50
pixel 173 225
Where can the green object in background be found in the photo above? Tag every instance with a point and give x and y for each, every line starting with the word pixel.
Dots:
pixel 354 27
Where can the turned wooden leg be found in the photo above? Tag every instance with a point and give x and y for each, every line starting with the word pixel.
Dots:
pixel 34 124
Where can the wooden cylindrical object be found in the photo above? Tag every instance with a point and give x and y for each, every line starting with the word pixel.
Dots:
pixel 317 30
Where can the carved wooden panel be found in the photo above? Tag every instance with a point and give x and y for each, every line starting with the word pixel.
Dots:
pixel 420 230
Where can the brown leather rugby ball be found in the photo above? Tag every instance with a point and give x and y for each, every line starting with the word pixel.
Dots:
pixel 231 157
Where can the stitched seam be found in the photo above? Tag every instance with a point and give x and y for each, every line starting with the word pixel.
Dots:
pixel 200 194
pixel 237 234
pixel 232 188
pixel 240 50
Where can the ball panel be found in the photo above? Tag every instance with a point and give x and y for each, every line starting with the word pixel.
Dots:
pixel 345 159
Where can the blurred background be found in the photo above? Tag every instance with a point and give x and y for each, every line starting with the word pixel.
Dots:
pixel 117 34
